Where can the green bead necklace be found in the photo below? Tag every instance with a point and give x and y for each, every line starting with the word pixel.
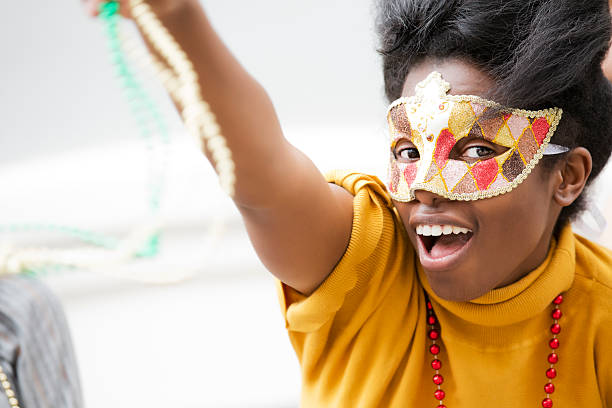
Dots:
pixel 178 75
pixel 150 123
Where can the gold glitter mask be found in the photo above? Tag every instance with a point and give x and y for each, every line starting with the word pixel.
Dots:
pixel 428 130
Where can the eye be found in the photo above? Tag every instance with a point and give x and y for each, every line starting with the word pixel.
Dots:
pixel 472 149
pixel 478 152
pixel 406 153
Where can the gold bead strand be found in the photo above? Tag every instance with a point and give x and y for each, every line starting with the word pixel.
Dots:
pixel 8 390
pixel 163 42
pixel 138 54
pixel 196 113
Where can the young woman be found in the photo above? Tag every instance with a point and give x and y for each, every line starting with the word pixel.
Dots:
pixel 459 282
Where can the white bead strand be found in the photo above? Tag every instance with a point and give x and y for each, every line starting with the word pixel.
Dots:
pixel 182 82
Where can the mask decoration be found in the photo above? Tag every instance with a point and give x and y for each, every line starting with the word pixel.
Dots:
pixel 431 135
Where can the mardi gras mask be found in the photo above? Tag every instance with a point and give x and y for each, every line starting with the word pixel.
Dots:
pixel 426 130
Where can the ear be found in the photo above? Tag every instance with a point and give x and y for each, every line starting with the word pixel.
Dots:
pixel 574 172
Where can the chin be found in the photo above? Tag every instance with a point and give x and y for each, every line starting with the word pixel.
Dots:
pixel 453 288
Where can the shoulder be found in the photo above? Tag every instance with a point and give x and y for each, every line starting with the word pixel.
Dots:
pixel 376 222
pixel 593 305
pixel 593 284
pixel 594 264
pixel 356 183
pixel 378 251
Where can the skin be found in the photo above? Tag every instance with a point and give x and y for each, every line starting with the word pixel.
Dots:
pixel 300 225
pixel 513 231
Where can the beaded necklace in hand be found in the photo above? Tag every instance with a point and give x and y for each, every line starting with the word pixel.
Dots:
pixel 101 249
pixel 434 335
pixel 180 79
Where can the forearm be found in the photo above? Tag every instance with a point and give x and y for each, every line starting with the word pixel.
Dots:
pixel 298 224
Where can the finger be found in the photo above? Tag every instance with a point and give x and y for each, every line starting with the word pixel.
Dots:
pixel 124 7
pixel 92 7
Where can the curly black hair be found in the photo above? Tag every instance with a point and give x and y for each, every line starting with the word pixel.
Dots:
pixel 540 53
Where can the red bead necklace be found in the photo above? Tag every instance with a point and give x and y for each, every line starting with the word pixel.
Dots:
pixel 436 364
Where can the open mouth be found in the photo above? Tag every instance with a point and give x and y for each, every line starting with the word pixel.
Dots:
pixel 441 241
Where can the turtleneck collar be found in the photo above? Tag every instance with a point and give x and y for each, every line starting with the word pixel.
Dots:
pixel 523 299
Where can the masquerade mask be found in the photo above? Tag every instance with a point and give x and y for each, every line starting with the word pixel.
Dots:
pixel 463 147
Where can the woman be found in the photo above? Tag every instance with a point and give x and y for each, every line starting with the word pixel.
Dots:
pixel 449 285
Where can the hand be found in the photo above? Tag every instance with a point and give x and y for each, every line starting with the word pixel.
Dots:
pixel 160 7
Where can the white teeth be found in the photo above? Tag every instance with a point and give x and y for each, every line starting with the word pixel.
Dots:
pixel 437 230
pixel 459 230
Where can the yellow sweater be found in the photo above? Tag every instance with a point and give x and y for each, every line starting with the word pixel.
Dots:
pixel 361 338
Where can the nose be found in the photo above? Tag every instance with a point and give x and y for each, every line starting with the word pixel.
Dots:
pixel 428 198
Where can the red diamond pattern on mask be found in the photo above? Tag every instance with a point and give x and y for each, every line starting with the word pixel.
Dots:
pixel 444 145
pixel 540 129
pixel 410 173
pixel 485 172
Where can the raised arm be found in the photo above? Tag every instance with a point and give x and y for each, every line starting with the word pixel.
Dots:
pixel 298 223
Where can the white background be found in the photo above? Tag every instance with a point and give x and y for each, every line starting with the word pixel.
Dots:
pixel 70 154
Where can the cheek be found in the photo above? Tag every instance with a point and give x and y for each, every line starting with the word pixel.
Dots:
pixel 512 224
pixel 404 210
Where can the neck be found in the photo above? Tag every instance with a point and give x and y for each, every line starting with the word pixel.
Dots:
pixel 535 259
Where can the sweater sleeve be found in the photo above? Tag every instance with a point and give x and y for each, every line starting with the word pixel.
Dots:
pixel 378 246
pixel 594 281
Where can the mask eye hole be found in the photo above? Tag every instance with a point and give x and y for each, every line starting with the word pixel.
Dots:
pixel 471 150
pixel 405 151
pixel 478 152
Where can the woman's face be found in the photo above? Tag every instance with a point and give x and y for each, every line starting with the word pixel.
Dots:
pixel 508 236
